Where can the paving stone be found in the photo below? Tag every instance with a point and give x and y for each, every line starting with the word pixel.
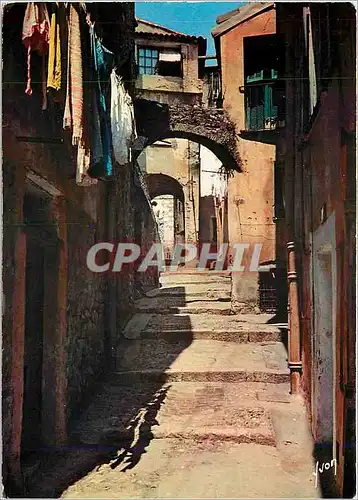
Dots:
pixel 197 407
pixel 200 355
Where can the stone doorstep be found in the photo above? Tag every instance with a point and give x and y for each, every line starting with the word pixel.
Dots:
pixel 222 335
pixel 132 376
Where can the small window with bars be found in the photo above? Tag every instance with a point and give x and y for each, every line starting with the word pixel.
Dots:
pixel 147 60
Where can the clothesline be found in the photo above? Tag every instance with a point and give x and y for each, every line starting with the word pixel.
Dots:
pixel 100 116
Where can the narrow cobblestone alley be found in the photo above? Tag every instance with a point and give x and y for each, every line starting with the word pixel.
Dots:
pixel 197 407
pixel 179 258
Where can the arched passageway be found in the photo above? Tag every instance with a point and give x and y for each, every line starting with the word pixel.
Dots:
pixel 167 197
pixel 162 184
pixel 188 186
pixel 210 127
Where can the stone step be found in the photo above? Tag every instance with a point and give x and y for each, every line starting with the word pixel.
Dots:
pixel 181 300
pixel 169 376
pixel 253 328
pixel 184 410
pixel 195 278
pixel 234 322
pixel 201 359
pixel 178 305
pixel 186 290
pixel 238 336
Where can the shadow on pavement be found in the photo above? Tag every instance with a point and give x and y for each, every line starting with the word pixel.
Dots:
pixel 116 427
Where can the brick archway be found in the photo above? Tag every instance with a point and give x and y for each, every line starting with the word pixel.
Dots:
pixel 210 127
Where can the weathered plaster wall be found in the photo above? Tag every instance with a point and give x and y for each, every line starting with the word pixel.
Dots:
pixel 321 216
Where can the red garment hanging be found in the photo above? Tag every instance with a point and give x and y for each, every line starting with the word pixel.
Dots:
pixel 35 35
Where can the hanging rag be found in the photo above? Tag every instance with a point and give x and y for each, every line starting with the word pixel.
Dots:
pixel 101 159
pixel 54 56
pixel 35 36
pixel 122 120
pixel 84 153
pixel 73 115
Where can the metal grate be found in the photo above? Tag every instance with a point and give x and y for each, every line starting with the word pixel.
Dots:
pixel 267 293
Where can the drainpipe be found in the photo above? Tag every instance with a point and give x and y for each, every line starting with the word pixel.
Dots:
pixel 294 358
pixel 294 348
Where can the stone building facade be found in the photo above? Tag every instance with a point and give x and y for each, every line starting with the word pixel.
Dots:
pixel 60 320
pixel 318 151
pixel 245 46
pixel 170 72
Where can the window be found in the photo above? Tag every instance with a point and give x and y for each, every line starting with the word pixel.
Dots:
pixel 147 60
pixel 163 62
pixel 261 113
pixel 264 91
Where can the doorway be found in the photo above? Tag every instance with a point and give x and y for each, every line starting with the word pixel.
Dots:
pixel 40 243
pixel 33 348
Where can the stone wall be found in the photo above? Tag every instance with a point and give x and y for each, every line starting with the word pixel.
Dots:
pixel 87 299
pixel 82 316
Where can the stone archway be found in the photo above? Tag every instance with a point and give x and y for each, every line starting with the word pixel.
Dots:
pixel 210 127
pixel 161 184
pixel 168 200
pixel 172 166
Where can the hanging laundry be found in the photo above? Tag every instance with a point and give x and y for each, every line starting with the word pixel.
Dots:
pixel 85 147
pixel 73 115
pixel 122 120
pixel 77 92
pixel 54 57
pixel 35 36
pixel 101 161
